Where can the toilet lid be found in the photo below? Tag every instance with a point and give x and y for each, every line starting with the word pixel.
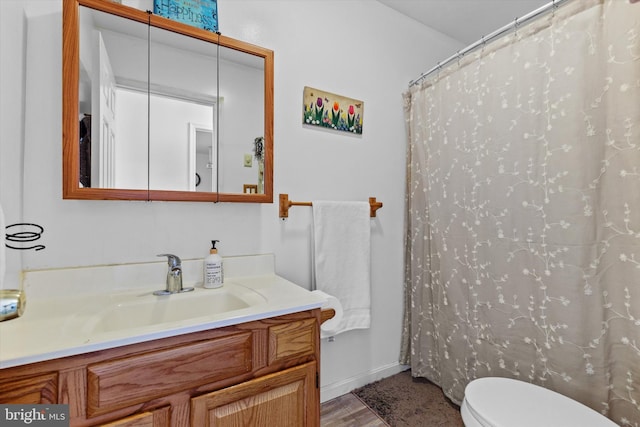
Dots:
pixel 504 402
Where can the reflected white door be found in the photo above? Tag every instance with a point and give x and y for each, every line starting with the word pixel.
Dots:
pixel 202 158
pixel 103 132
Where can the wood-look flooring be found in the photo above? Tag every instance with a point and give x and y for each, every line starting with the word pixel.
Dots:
pixel 348 411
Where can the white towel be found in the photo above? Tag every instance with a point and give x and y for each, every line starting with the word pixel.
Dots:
pixel 342 240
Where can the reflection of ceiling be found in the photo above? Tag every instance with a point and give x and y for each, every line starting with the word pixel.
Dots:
pixel 465 20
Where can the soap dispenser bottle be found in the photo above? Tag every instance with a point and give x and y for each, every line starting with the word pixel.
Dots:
pixel 213 268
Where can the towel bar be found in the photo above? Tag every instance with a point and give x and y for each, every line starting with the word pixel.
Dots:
pixel 285 204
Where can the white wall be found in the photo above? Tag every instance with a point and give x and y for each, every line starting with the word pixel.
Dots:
pixel 169 155
pixel 241 121
pixel 356 48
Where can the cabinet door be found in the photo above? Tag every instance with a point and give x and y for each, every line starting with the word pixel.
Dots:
pixel 285 399
pixel 41 389
pixel 157 418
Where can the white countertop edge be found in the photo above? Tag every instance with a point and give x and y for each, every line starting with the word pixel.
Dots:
pixel 150 336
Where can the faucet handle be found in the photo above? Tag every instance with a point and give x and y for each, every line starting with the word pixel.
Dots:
pixel 172 260
pixel 174 277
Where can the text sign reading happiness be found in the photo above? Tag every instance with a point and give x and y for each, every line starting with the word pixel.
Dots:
pixel 197 13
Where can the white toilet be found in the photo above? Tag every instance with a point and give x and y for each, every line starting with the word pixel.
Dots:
pixel 503 402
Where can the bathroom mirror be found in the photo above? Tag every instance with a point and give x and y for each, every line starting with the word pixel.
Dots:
pixel 157 110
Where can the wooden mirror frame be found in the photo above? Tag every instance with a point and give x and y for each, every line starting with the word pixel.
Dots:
pixel 70 87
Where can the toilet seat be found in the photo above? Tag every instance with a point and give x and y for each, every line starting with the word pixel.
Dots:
pixel 504 402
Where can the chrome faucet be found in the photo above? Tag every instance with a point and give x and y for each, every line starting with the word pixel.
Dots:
pixel 174 277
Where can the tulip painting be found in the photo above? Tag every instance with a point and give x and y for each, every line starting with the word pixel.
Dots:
pixel 331 111
pixel 351 116
pixel 319 109
pixel 335 114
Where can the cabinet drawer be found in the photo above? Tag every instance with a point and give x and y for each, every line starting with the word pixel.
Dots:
pixel 156 418
pixel 293 339
pixel 131 380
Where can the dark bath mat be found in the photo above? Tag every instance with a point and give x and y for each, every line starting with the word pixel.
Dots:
pixel 404 401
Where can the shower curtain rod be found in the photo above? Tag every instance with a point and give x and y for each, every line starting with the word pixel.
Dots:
pixel 551 6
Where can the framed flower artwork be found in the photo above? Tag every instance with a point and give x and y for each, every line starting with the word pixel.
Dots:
pixel 331 111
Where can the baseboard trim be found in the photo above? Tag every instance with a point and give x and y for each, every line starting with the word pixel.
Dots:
pixel 331 391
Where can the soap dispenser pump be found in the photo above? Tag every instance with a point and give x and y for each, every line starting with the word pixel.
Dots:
pixel 213 268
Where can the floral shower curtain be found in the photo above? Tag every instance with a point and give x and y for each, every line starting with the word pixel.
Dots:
pixel 523 211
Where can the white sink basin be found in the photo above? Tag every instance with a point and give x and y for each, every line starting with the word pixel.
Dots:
pixel 125 312
pixel 81 310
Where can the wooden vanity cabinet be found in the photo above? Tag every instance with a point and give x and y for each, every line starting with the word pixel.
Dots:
pixel 260 373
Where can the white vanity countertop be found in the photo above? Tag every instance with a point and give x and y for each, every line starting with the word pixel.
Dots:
pixel 64 307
